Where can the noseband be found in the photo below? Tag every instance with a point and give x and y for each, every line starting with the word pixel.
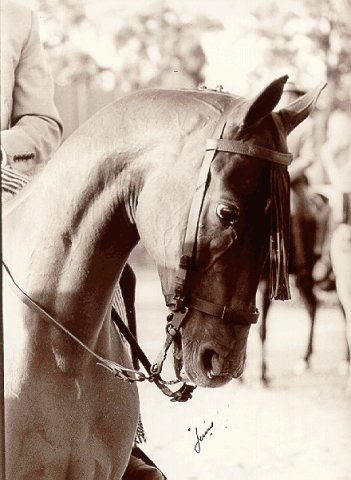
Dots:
pixel 181 300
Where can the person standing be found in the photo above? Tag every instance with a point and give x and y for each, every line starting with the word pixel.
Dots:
pixel 336 161
pixel 31 128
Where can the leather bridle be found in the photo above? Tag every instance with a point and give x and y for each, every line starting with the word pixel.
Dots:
pixel 180 300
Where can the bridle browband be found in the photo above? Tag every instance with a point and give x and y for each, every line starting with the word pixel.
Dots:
pixel 180 301
pixel 249 149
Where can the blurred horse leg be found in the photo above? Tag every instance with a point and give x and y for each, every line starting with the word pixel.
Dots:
pixel 345 364
pixel 304 232
pixel 264 288
pixel 304 284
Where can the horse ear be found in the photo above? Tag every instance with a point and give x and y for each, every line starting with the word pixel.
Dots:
pixel 300 109
pixel 263 104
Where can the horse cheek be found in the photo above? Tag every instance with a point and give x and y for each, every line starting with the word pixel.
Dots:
pixel 214 248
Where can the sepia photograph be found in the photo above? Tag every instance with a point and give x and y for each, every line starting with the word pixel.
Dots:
pixel 176 240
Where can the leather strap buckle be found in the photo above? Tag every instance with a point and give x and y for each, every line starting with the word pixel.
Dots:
pixel 226 314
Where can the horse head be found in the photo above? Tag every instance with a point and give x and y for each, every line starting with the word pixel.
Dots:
pixel 212 232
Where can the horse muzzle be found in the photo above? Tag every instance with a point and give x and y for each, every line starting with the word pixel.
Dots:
pixel 212 367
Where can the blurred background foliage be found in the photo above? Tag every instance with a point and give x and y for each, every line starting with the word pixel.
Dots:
pixel 102 49
pixel 118 46
pixel 114 46
pixel 311 37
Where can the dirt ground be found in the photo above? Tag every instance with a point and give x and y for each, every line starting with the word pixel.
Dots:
pixel 298 429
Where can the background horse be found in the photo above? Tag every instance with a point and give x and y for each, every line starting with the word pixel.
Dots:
pixel 302 258
pixel 130 173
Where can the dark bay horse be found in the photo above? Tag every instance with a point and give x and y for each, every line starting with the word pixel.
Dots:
pixel 206 212
pixel 302 259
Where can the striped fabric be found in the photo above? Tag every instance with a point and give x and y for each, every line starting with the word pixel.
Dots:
pixel 12 181
pixel 140 436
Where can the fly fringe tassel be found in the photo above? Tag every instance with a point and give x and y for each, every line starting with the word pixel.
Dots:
pixel 280 233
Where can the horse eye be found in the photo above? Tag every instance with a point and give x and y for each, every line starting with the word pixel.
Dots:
pixel 227 214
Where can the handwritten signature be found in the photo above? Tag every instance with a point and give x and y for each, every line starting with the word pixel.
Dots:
pixel 201 436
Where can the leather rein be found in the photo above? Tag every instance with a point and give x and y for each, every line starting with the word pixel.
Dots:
pixel 180 301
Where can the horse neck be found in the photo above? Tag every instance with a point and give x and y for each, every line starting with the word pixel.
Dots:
pixel 71 256
pixel 85 200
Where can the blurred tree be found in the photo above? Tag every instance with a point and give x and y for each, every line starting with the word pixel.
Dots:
pixel 97 43
pixel 313 38
pixel 61 21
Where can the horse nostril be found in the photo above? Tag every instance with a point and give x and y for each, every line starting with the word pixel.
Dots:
pixel 212 362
